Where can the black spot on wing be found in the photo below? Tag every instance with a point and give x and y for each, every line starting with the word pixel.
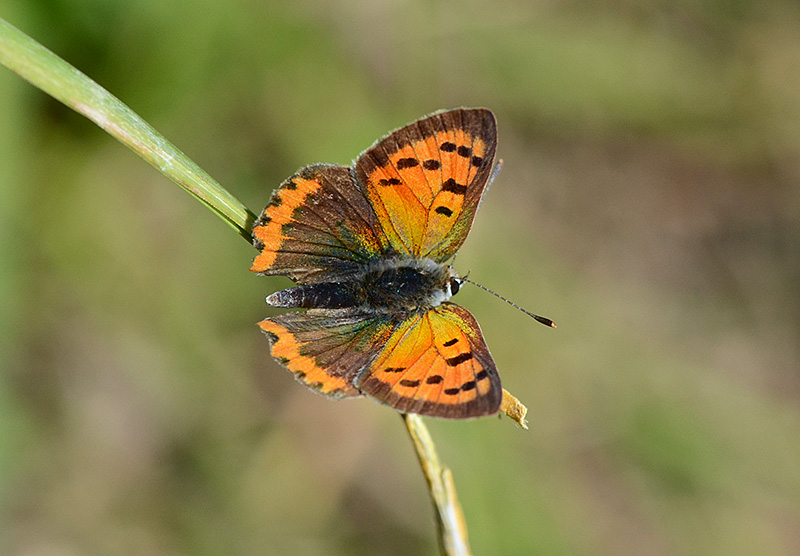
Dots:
pixel 272 337
pixel 404 163
pixel 394 369
pixel 470 385
pixel 444 210
pixel 458 359
pixel 454 187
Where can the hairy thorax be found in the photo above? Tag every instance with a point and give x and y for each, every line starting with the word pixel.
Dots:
pixel 398 285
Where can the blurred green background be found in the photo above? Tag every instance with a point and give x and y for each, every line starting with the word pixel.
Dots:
pixel 648 203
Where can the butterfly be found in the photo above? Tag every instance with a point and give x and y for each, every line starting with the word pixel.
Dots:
pixel 368 246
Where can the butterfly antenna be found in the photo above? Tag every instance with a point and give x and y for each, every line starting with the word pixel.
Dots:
pixel 544 320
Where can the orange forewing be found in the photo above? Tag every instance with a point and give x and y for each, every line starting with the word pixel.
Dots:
pixel 425 180
pixel 463 172
pixel 436 363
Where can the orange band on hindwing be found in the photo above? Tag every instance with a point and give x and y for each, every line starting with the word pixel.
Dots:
pixel 286 350
pixel 268 230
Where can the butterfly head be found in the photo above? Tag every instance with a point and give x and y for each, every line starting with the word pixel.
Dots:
pixel 454 283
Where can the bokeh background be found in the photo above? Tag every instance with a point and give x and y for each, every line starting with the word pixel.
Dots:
pixel 648 203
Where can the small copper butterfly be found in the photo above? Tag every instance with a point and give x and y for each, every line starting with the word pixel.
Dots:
pixel 368 246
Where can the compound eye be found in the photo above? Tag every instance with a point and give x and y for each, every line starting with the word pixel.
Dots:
pixel 454 285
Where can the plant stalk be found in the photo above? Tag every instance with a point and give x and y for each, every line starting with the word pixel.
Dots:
pixel 43 69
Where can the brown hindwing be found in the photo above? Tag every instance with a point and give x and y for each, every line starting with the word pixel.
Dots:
pixel 317 226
